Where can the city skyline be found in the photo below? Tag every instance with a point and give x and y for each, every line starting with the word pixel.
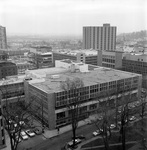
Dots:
pixel 68 17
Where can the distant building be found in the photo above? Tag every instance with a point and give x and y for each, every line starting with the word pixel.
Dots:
pixel 136 63
pixel 12 88
pixel 41 60
pixel 7 69
pixel 49 95
pixel 110 59
pixel 3 38
pixel 23 66
pixel 43 49
pixel 99 37
pixel 3 56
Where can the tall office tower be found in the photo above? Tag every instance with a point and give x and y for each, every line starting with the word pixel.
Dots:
pixel 101 38
pixel 3 39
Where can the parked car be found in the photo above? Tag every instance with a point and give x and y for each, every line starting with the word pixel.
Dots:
pixel 112 126
pixel 132 118
pixel 23 135
pixel 77 141
pixel 96 133
pixel 30 133
pixel 37 131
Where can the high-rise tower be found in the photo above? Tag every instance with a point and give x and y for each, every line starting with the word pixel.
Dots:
pixel 99 37
pixel 3 39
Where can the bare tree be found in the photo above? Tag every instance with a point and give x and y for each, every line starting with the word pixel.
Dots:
pixel 74 105
pixel 124 116
pixel 14 114
pixel 141 125
pixel 103 123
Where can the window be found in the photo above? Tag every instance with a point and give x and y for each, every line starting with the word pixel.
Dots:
pixel 93 106
pixel 61 115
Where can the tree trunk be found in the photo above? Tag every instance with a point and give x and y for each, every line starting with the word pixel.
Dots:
pixel 11 142
pixel 74 134
pixel 123 138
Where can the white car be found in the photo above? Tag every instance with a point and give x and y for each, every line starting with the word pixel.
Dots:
pixel 96 133
pixel 77 141
pixel 112 126
pixel 30 133
pixel 132 118
pixel 23 135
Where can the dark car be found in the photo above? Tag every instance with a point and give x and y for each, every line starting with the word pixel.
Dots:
pixel 37 131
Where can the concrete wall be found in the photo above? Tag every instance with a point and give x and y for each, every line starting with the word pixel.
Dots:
pixel 99 58
pixel 118 60
pixel 51 111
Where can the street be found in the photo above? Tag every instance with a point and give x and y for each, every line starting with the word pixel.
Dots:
pixel 40 143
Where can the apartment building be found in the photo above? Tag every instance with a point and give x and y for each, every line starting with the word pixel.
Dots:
pixel 98 81
pixel 3 38
pixel 110 59
pixel 99 37
pixel 136 63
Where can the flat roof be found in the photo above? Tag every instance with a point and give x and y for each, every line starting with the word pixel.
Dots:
pixel 12 80
pixel 96 75
pixel 87 52
pixel 136 57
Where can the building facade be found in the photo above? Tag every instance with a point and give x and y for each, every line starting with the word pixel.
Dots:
pixel 3 38
pixel 110 59
pixel 2 131
pixel 99 38
pixel 136 63
pixel 98 81
pixel 41 60
pixel 7 69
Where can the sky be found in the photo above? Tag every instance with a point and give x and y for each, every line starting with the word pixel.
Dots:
pixel 67 17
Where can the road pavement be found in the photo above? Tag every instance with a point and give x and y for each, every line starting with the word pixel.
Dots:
pixel 56 143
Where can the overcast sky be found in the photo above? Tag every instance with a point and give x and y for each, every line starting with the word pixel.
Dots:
pixel 67 17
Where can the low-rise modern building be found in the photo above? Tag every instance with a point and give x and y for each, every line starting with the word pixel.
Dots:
pixel 12 89
pixel 52 100
pixel 7 69
pixel 22 66
pixel 3 56
pixel 110 59
pixel 136 63
pixel 41 60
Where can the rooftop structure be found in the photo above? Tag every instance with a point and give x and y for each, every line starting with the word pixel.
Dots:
pixel 111 59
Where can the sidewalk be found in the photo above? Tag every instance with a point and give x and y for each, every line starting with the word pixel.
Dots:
pixel 52 133
pixel 8 146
